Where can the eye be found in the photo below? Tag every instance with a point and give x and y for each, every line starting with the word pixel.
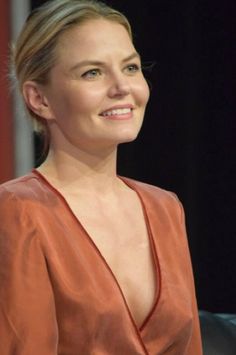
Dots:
pixel 132 68
pixel 92 73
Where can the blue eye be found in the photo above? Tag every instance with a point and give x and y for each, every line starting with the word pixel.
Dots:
pixel 92 73
pixel 132 68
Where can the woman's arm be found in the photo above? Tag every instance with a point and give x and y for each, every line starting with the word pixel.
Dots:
pixel 27 312
pixel 195 344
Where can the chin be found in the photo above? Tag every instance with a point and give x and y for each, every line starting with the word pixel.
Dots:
pixel 128 138
pixel 128 134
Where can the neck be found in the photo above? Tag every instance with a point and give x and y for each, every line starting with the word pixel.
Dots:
pixel 85 170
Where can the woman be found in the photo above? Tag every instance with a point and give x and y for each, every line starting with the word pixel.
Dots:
pixel 91 263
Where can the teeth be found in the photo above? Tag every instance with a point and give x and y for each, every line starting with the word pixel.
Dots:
pixel 120 111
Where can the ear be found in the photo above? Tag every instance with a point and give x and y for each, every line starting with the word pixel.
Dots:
pixel 36 100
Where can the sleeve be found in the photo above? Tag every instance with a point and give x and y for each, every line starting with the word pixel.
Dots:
pixel 195 343
pixel 27 311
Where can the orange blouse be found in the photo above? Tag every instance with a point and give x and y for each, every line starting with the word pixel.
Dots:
pixel 59 296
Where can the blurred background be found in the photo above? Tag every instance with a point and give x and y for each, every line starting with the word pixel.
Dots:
pixel 187 143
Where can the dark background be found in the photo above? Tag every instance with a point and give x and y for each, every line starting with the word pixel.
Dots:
pixel 187 143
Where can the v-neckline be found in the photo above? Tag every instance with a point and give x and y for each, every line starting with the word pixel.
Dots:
pixel 156 264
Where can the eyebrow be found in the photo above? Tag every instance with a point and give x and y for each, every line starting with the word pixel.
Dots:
pixel 99 63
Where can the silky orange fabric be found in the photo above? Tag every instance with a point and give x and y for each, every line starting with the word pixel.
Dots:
pixel 59 296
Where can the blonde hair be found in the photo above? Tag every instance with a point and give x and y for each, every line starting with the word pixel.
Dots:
pixel 33 55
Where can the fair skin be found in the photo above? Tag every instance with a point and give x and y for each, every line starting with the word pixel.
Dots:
pixel 95 100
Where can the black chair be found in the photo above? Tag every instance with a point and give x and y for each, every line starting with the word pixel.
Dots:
pixel 218 333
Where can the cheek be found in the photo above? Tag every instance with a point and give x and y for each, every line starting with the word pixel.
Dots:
pixel 142 92
pixel 69 104
pixel 147 91
pixel 86 101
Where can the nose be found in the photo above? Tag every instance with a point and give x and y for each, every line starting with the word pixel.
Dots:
pixel 119 86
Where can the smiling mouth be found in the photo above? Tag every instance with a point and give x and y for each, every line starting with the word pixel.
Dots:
pixel 117 112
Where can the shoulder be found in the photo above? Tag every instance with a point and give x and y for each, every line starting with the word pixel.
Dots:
pixel 25 207
pixel 24 196
pixel 152 192
pixel 17 188
pixel 16 213
pixel 163 203
pixel 13 195
pixel 25 189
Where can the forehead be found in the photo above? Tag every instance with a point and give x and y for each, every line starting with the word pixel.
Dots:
pixel 94 36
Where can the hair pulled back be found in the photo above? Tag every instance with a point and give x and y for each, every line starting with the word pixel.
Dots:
pixel 34 55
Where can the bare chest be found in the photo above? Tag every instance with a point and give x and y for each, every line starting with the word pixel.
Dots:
pixel 123 241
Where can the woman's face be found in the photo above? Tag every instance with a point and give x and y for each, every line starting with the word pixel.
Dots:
pixel 96 93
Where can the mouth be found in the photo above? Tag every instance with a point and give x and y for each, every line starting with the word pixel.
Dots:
pixel 118 113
